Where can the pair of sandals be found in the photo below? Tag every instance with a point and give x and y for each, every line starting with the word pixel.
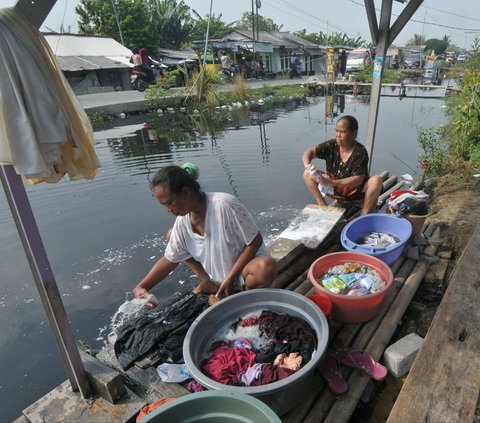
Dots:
pixel 330 367
pixel 416 252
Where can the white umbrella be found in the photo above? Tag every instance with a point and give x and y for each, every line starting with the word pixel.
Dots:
pixel 44 135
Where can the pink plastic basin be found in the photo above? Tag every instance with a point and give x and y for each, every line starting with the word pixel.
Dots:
pixel 345 308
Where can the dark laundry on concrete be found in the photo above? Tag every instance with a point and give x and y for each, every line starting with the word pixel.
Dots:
pixel 161 334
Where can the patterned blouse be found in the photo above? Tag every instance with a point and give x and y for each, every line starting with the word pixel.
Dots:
pixel 357 164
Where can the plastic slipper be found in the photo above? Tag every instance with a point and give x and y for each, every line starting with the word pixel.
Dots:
pixel 363 361
pixel 421 240
pixel 330 369
pixel 417 253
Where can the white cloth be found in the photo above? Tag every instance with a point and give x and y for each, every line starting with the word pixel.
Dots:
pixel 229 227
pixel 44 131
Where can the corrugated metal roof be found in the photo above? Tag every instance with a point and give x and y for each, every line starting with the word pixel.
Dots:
pixel 177 54
pixel 79 63
pixel 74 45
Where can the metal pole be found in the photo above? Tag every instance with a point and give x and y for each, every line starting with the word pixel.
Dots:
pixel 36 12
pixel 202 73
pixel 44 279
pixel 118 22
pixel 382 36
pixel 382 46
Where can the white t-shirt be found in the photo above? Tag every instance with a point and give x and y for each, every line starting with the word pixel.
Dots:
pixel 229 227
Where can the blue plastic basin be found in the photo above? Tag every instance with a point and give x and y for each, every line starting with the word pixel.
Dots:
pixel 397 226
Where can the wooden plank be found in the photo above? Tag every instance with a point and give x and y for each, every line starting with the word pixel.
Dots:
pixel 444 382
pixel 64 405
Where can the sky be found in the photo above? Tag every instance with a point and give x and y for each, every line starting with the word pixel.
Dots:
pixel 435 18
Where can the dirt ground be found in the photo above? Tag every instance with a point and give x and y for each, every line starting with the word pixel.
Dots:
pixel 456 206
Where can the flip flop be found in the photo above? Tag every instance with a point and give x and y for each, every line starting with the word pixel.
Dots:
pixel 330 369
pixel 363 361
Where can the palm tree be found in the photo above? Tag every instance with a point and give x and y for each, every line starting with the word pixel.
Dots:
pixel 417 40
pixel 447 39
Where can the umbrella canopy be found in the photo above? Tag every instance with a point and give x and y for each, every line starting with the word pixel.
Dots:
pixel 45 133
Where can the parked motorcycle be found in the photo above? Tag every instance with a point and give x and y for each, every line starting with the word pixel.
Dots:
pixel 296 72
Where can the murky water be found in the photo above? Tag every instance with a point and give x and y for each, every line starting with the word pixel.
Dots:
pixel 102 236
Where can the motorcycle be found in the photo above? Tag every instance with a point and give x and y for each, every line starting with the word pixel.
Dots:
pixel 140 79
pixel 296 71
pixel 228 73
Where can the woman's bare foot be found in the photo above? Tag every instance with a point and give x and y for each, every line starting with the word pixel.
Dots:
pixel 206 287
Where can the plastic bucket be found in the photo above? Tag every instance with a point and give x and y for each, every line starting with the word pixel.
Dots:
pixel 345 308
pixel 213 407
pixel 397 226
pixel 323 302
pixel 417 222
pixel 283 395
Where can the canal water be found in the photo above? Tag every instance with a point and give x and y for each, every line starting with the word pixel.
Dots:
pixel 102 236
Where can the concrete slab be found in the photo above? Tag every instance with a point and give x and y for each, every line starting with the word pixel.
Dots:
pixel 64 405
pixel 312 225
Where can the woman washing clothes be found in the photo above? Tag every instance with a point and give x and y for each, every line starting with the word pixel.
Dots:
pixel 214 234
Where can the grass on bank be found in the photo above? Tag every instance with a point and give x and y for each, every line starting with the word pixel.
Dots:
pixel 453 151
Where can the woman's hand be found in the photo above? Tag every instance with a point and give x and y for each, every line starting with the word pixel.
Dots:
pixel 225 288
pixel 143 294
pixel 324 180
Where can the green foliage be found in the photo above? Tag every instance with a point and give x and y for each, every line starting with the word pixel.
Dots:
pixel 332 39
pixel 417 40
pixel 171 21
pixel 434 44
pixel 261 23
pixel 97 17
pixel 205 85
pixel 217 29
pixel 435 156
pixel 143 23
pixel 464 112
pixel 458 145
pixel 389 76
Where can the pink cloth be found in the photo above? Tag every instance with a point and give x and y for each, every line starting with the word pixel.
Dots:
pixel 227 363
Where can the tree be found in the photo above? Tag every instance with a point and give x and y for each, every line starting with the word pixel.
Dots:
pixel 417 40
pixel 218 28
pixel 261 23
pixel 435 44
pixel 97 17
pixel 171 21
pixel 336 39
pixel 447 39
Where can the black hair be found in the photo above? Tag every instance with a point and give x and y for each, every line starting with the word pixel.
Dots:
pixel 175 179
pixel 351 121
pixel 135 50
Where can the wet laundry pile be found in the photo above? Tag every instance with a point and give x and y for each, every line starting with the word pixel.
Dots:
pixel 377 240
pixel 352 279
pixel 408 202
pixel 260 349
pixel 159 333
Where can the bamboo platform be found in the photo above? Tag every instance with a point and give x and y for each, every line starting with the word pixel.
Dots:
pixel 320 404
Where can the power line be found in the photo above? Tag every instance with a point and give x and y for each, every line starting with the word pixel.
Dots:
pixel 324 22
pixel 422 22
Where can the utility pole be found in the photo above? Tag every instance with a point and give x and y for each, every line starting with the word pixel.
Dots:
pixel 118 22
pixel 253 21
